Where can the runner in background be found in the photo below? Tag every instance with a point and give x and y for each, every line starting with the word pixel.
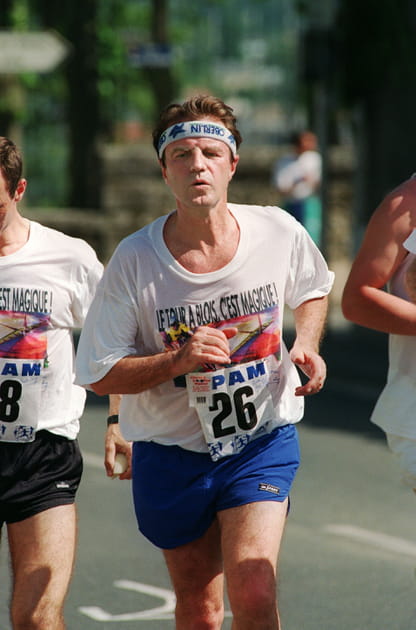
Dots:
pixel 47 283
pixel 384 261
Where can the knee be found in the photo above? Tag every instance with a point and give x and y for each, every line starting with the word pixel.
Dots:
pixel 254 603
pixel 39 618
pixel 253 596
pixel 199 617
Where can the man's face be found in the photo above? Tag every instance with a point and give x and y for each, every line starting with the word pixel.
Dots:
pixel 198 171
pixel 308 142
pixel 8 207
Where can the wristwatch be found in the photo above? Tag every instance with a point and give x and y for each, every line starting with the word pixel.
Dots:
pixel 112 419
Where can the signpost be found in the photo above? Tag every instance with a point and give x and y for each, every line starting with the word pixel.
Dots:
pixel 152 55
pixel 31 51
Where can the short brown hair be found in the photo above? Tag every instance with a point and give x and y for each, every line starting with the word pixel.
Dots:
pixel 11 164
pixel 195 108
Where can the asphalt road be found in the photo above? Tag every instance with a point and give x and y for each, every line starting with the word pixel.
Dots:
pixel 349 553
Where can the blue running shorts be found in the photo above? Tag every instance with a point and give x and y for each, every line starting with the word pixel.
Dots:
pixel 177 493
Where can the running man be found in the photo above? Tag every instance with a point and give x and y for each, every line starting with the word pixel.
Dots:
pixel 47 282
pixel 187 326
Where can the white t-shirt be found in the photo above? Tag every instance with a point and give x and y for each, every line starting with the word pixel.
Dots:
pixel 148 303
pixel 298 174
pixel 395 408
pixel 45 290
pixel 410 242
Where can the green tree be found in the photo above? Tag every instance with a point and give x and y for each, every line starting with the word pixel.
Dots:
pixel 96 71
pixel 160 79
pixel 79 24
pixel 11 95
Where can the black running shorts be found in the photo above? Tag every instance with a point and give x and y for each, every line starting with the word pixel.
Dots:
pixel 38 475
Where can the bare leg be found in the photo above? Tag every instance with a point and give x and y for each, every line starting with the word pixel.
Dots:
pixel 251 537
pixel 42 551
pixel 196 573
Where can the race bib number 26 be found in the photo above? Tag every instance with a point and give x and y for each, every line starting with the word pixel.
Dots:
pixel 234 405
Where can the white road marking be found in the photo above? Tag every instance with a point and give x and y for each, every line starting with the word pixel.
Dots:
pixel 165 611
pixel 374 539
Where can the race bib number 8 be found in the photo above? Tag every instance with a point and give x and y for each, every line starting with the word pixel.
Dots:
pixel 20 397
pixel 234 405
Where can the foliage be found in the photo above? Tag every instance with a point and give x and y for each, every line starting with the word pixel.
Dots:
pixel 212 42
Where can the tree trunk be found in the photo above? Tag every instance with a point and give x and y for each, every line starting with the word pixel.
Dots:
pixel 161 80
pixel 78 23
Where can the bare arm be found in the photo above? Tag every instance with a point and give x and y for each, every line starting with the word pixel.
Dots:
pixel 364 300
pixel 135 374
pixel 310 320
pixel 114 404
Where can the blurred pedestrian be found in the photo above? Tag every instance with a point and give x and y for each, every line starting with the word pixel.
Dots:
pixel 383 262
pixel 297 176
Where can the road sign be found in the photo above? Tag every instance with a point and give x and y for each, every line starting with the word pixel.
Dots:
pixel 31 51
pixel 151 55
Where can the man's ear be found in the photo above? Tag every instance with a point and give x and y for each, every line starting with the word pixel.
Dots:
pixel 20 190
pixel 163 169
pixel 234 165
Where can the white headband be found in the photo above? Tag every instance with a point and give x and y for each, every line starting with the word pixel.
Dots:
pixel 196 129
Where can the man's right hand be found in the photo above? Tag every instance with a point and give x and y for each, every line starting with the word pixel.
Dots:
pixel 207 345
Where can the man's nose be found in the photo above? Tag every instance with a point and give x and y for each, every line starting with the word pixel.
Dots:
pixel 197 161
